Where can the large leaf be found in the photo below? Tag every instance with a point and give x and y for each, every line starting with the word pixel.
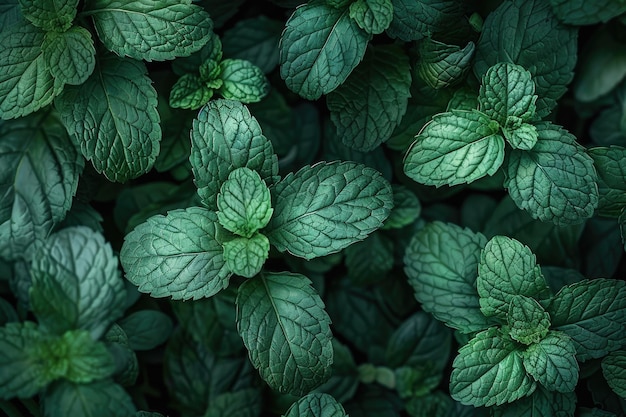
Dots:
pixel 541 403
pixel 282 322
pixel 98 399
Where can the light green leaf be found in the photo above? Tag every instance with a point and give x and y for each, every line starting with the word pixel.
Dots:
pixel 552 362
pixel 98 399
pixel 593 314
pixel 242 81
pixel 177 255
pixel 38 179
pixel 614 370
pixel 556 180
pixel 507 268
pixel 76 283
pixel 373 16
pixel 527 320
pixel 225 137
pixel 210 71
pixel 414 20
pixel 243 403
pixel 246 256
pixel 319 48
pixel 190 92
pixel 610 163
pixel 146 329
pixel 316 405
pixel 441 65
pixel 456 147
pixel 324 208
pixel 507 90
pixel 537 41
pixel 521 135
pixel 78 358
pixel 113 117
pixel 541 403
pixel 26 83
pixel 70 55
pixel 154 30
pixel 282 322
pixel 441 263
pixel 50 15
pixel 406 208
pixel 255 40
pixel 489 371
pixel 370 104
pixel 581 12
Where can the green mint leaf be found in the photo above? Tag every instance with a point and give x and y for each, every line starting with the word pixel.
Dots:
pixel 541 403
pixel 507 90
pixel 244 202
pixel 177 255
pixel 242 81
pixel 406 208
pixel 326 207
pixel 522 136
pixel 537 41
pixel 26 82
pixel 614 370
pixel 373 16
pixel 370 104
pixel 10 14
pixel 489 371
pixel 414 20
pixel 245 256
pixel 610 163
pixel 210 71
pixel 527 320
pixel 319 48
pixel 507 268
pixel 76 283
pixel 371 259
pixel 442 65
pixel 556 180
pixel 146 329
pixel 78 358
pixel 113 117
pixel 593 314
pixel 98 399
pixel 441 263
pixel 282 322
pixel 552 362
pixel 242 403
pixel 316 405
pixel 70 55
pixel 580 12
pixel 156 30
pixel 224 137
pixel 38 180
pixel 50 15
pixel 190 92
pixel 255 40
pixel 456 147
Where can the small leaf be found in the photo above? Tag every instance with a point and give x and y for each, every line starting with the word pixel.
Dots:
pixel 98 399
pixel 552 362
pixel 242 81
pixel 406 208
pixel 323 208
pixel 524 136
pixel 316 405
pixel 442 65
pixel 614 370
pixel 50 15
pixel 190 92
pixel 282 322
pixel 373 16
pixel 456 147
pixel 70 55
pixel 528 321
pixel 177 255
pixel 146 329
pixel 246 256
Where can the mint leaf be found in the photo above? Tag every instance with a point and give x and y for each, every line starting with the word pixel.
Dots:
pixel 507 268
pixel 244 203
pixel 26 83
pixel 370 104
pixel 255 40
pixel 316 405
pixel 580 12
pixel 76 283
pixel 489 371
pixel 190 92
pixel 552 362
pixel 319 48
pixel 610 163
pixel 245 256
pixel 442 65
pixel 224 137
pixel 456 147
pixel 242 81
pixel 556 180
pixel 50 15
pixel 98 399
pixel 614 370
pixel 177 255
pixel 243 403
pixel 593 314
pixel 507 90
pixel 113 117
pixel 70 55
pixel 520 135
pixel 406 208
pixel 78 358
pixel 541 403
pixel 373 16
pixel 414 20
pixel 528 321
pixel 441 263
pixel 156 30
pixel 371 259
pixel 146 329
pixel 10 14
pixel 282 322
pixel 323 208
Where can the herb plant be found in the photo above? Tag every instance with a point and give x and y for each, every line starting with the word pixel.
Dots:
pixel 324 208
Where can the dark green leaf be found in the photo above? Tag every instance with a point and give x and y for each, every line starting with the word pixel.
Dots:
pixel 316 405
pixel 146 329
pixel 50 15
pixel 255 40
pixel 98 399
pixel 414 20
pixel 441 65
pixel 580 12
pixel 614 370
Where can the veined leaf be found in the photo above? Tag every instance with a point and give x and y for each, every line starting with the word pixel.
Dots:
pixel 370 104
pixel 527 320
pixel 190 92
pixel 614 370
pixel 77 357
pixel 323 208
pixel 520 135
pixel 246 256
pixel 150 30
pixel 373 16
pixel 177 255
pixel 113 116
pixel 255 40
pixel 242 81
pixel 581 12
pixel 282 322
pixel 320 47
pixel 316 405
pixel 610 164
pixel 552 362
pixel 456 147
pixel 541 403
pixel 441 65
pixel 70 55
pixel 105 399
pixel 50 15
pixel 146 329
pixel 414 20
pixel 406 208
